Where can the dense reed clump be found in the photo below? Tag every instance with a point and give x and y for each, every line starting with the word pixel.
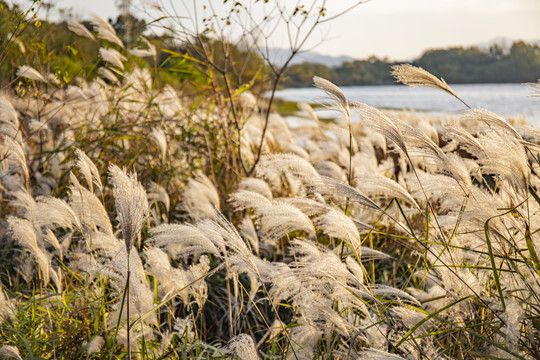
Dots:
pixel 394 237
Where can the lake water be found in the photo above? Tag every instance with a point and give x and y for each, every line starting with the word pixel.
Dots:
pixel 503 99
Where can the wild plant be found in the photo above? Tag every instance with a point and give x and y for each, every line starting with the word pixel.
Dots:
pixel 375 239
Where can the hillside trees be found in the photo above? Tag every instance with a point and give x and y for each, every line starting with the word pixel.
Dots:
pixel 459 65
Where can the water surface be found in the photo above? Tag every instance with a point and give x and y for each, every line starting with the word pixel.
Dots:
pixel 503 99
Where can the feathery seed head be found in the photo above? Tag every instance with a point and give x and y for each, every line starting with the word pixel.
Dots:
pixel 336 94
pixel 80 29
pixel 88 170
pixel 105 30
pixel 113 57
pixel 29 72
pixel 416 76
pixel 131 203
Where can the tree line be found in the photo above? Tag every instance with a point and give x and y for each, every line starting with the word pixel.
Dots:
pixel 458 65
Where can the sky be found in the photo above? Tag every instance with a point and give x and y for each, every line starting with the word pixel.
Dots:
pixel 397 29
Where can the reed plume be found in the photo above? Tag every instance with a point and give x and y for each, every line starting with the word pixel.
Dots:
pixel 80 29
pixel 29 72
pixel 416 76
pixel 105 31
pixel 130 202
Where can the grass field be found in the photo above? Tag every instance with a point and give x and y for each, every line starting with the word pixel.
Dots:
pixel 131 226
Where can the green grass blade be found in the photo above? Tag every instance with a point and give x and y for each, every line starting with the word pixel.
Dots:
pixel 532 250
pixel 493 265
pixel 412 330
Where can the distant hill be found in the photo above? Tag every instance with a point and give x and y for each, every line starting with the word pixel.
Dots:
pixel 279 56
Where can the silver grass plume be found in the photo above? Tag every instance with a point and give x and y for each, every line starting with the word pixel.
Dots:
pixel 52 212
pixel 105 30
pixel 385 290
pixel 409 316
pixel 161 140
pixel 381 123
pixel 243 346
pixel 80 29
pixel 149 51
pixel 157 193
pixel 113 57
pixel 244 199
pixel 490 119
pixel 308 206
pixel 513 316
pixel 51 239
pixel 276 218
pixel 88 170
pixel 536 88
pixel 88 207
pixel 279 219
pixel 417 77
pixel 29 72
pixel 505 156
pixel 256 185
pixel 183 240
pixel 95 345
pixel 23 232
pixel 200 197
pixel 277 164
pixel 238 256
pixel 463 139
pixel 378 184
pixel 107 74
pixel 176 281
pixel 331 169
pixel 336 94
pixel 184 328
pixel 130 202
pixel 15 151
pixel 224 235
pixel 419 145
pixel 7 309
pixel 331 187
pixel 8 351
pixel 9 121
pixel 305 107
pixel 249 233
pixel 375 354
pixel 22 200
pixel 336 224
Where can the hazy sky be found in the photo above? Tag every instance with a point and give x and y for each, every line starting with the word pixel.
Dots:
pixel 398 29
